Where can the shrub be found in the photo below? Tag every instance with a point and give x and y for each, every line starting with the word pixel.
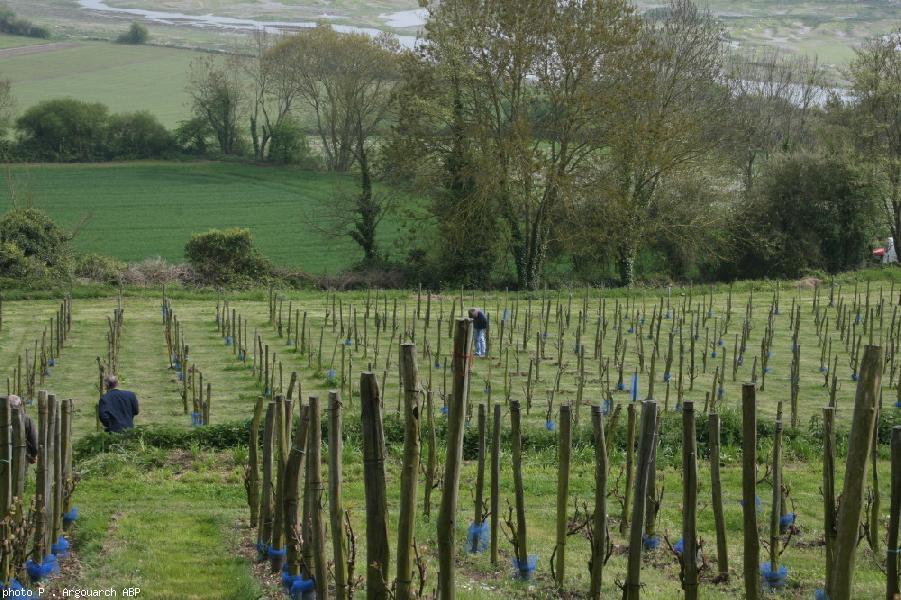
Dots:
pixel 289 145
pixel 194 136
pixel 136 34
pixel 226 257
pixel 32 244
pixel 64 130
pixel 807 213
pixel 100 268
pixel 155 272
pixel 138 135
pixel 13 25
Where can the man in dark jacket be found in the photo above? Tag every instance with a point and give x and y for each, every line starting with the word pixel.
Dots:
pixel 117 408
pixel 480 326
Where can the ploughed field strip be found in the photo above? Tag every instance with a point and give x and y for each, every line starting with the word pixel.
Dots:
pixel 552 353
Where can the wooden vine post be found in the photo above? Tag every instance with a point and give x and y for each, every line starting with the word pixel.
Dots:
pixel 564 449
pixel 891 565
pixel 454 458
pixel 716 497
pixel 479 504
pixel 336 502
pixel 495 480
pixel 314 492
pixel 689 502
pixel 859 447
pixel 646 441
pixel 749 490
pixel 599 521
pixel 264 536
pixel 409 472
pixel 252 473
pixel 829 508
pixel 293 474
pixel 377 550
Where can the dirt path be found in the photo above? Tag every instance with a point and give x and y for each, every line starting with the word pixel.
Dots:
pixel 38 49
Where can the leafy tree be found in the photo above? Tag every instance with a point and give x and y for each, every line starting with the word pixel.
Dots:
pixel 667 121
pixel 772 98
pixel 138 135
pixel 515 113
pixel 7 106
pixel 194 136
pixel 13 25
pixel 808 212
pixel 288 145
pixel 344 79
pixel 217 98
pixel 31 244
pixel 875 75
pixel 64 130
pixel 347 81
pixel 136 34
pixel 226 257
pixel 271 89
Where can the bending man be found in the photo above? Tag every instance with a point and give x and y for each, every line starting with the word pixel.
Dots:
pixel 117 408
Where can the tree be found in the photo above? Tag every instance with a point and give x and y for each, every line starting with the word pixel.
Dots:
pixel 138 135
pixel 271 89
pixel 31 244
pixel 217 97
pixel 344 80
pixel 7 106
pixel 64 130
pixel 772 97
pixel 521 108
pixel 347 81
pixel 875 74
pixel 667 121
pixel 136 34
pixel 225 257
pixel 807 212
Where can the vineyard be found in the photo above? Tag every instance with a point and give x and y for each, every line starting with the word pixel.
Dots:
pixel 719 423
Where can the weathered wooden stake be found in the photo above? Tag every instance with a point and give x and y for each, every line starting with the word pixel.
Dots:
pixel 599 521
pixel 336 502
pixel 859 447
pixel 495 479
pixel 646 441
pixel 716 493
pixel 377 550
pixel 409 472
pixel 891 569
pixel 749 490
pixel 456 416
pixel 564 449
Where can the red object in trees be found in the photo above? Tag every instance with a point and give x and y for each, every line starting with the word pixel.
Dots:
pixel 880 252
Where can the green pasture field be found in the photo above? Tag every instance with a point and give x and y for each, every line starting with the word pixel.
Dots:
pixel 18 41
pixel 823 28
pixel 137 210
pixel 175 523
pixel 125 78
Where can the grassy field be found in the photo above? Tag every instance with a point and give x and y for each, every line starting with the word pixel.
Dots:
pixel 826 28
pixel 175 523
pixel 125 78
pixel 166 203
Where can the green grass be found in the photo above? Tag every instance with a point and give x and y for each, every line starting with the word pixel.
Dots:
pixel 17 41
pixel 125 78
pixel 139 210
pixel 176 522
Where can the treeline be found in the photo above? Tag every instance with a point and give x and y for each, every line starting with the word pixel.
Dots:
pixel 580 141
pixel 13 25
pixel 552 142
